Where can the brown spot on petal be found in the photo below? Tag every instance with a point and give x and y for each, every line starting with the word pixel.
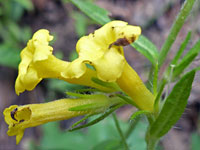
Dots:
pixel 121 42
pixel 12 114
pixel 132 39
pixel 21 120
pixel 119 50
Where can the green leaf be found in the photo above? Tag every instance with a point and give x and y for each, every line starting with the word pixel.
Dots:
pixel 10 57
pixel 138 114
pixel 174 106
pixel 93 11
pixel 181 49
pixel 78 122
pixel 99 118
pixel 194 50
pixel 146 48
pixel 183 65
pixel 186 60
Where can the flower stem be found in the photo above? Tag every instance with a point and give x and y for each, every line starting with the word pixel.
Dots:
pixel 184 12
pixel 120 132
pixel 131 127
pixel 151 144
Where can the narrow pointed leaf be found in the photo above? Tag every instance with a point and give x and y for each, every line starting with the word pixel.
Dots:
pixel 93 11
pixel 183 65
pixel 174 106
pixel 187 59
pixel 181 49
pixel 146 48
pixel 78 122
pixel 111 85
pixel 195 49
pixel 99 118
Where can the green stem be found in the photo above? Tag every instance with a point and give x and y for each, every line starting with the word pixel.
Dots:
pixel 184 12
pixel 120 132
pixel 151 144
pixel 169 81
pixel 155 80
pixel 131 127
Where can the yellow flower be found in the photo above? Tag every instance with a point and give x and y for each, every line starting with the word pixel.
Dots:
pixel 131 84
pixel 21 117
pixel 38 62
pixel 103 50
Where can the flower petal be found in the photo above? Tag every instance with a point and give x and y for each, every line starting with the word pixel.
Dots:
pixel 103 48
pixel 21 117
pixel 110 66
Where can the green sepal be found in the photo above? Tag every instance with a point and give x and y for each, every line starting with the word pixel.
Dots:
pixel 87 107
pixel 98 119
pixel 174 106
pixel 79 95
pixel 85 90
pixel 127 99
pixel 80 121
pixel 89 96
pixel 111 85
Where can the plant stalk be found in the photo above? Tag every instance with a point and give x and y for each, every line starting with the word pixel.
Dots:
pixel 120 132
